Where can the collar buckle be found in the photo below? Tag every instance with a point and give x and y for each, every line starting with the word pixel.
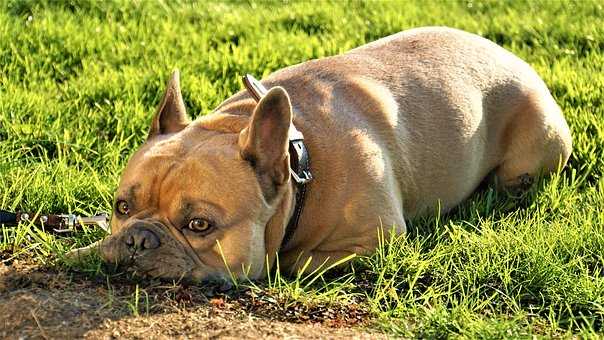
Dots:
pixel 304 177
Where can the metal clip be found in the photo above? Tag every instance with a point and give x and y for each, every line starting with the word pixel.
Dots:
pixel 100 220
pixel 305 178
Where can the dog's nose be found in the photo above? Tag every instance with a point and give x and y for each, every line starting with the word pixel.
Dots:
pixel 142 239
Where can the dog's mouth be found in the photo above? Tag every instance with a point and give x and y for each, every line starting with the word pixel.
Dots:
pixel 155 272
pixel 220 283
pixel 150 265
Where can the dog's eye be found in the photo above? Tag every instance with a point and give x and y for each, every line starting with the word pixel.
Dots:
pixel 199 225
pixel 122 207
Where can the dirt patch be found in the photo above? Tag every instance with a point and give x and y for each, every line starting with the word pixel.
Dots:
pixel 203 323
pixel 37 302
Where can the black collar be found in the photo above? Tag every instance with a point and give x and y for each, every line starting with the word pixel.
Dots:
pixel 299 160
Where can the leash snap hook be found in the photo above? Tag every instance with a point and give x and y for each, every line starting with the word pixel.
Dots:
pixel 100 220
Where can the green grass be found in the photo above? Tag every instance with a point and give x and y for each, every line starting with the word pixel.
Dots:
pixel 79 81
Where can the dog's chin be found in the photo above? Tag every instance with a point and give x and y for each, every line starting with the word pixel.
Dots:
pixel 177 273
pixel 167 265
pixel 162 273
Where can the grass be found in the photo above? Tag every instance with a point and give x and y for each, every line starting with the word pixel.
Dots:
pixel 79 81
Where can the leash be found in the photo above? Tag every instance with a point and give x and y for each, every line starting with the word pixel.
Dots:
pixel 60 224
pixel 299 159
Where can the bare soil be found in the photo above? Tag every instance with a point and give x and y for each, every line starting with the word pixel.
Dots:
pixel 40 302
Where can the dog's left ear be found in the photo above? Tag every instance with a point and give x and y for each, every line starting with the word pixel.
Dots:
pixel 171 115
pixel 264 142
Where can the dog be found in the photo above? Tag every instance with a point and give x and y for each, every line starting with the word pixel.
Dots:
pixel 397 128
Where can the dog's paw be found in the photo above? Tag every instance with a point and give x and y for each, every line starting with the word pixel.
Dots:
pixel 520 185
pixel 525 181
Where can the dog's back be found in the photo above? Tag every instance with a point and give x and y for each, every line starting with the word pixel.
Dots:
pixel 443 106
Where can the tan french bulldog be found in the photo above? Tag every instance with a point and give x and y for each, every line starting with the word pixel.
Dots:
pixel 403 126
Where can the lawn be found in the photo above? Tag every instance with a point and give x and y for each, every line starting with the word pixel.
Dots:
pixel 79 82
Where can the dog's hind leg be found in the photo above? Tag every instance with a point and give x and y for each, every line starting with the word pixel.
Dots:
pixel 536 141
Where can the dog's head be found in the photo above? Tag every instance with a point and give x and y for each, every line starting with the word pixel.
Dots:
pixel 205 199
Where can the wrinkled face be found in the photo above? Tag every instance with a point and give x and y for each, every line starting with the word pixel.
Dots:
pixel 200 203
pixel 188 209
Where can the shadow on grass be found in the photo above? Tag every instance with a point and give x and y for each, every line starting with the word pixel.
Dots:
pixel 56 301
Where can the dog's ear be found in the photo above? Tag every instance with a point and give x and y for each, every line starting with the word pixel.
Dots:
pixel 264 142
pixel 171 115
